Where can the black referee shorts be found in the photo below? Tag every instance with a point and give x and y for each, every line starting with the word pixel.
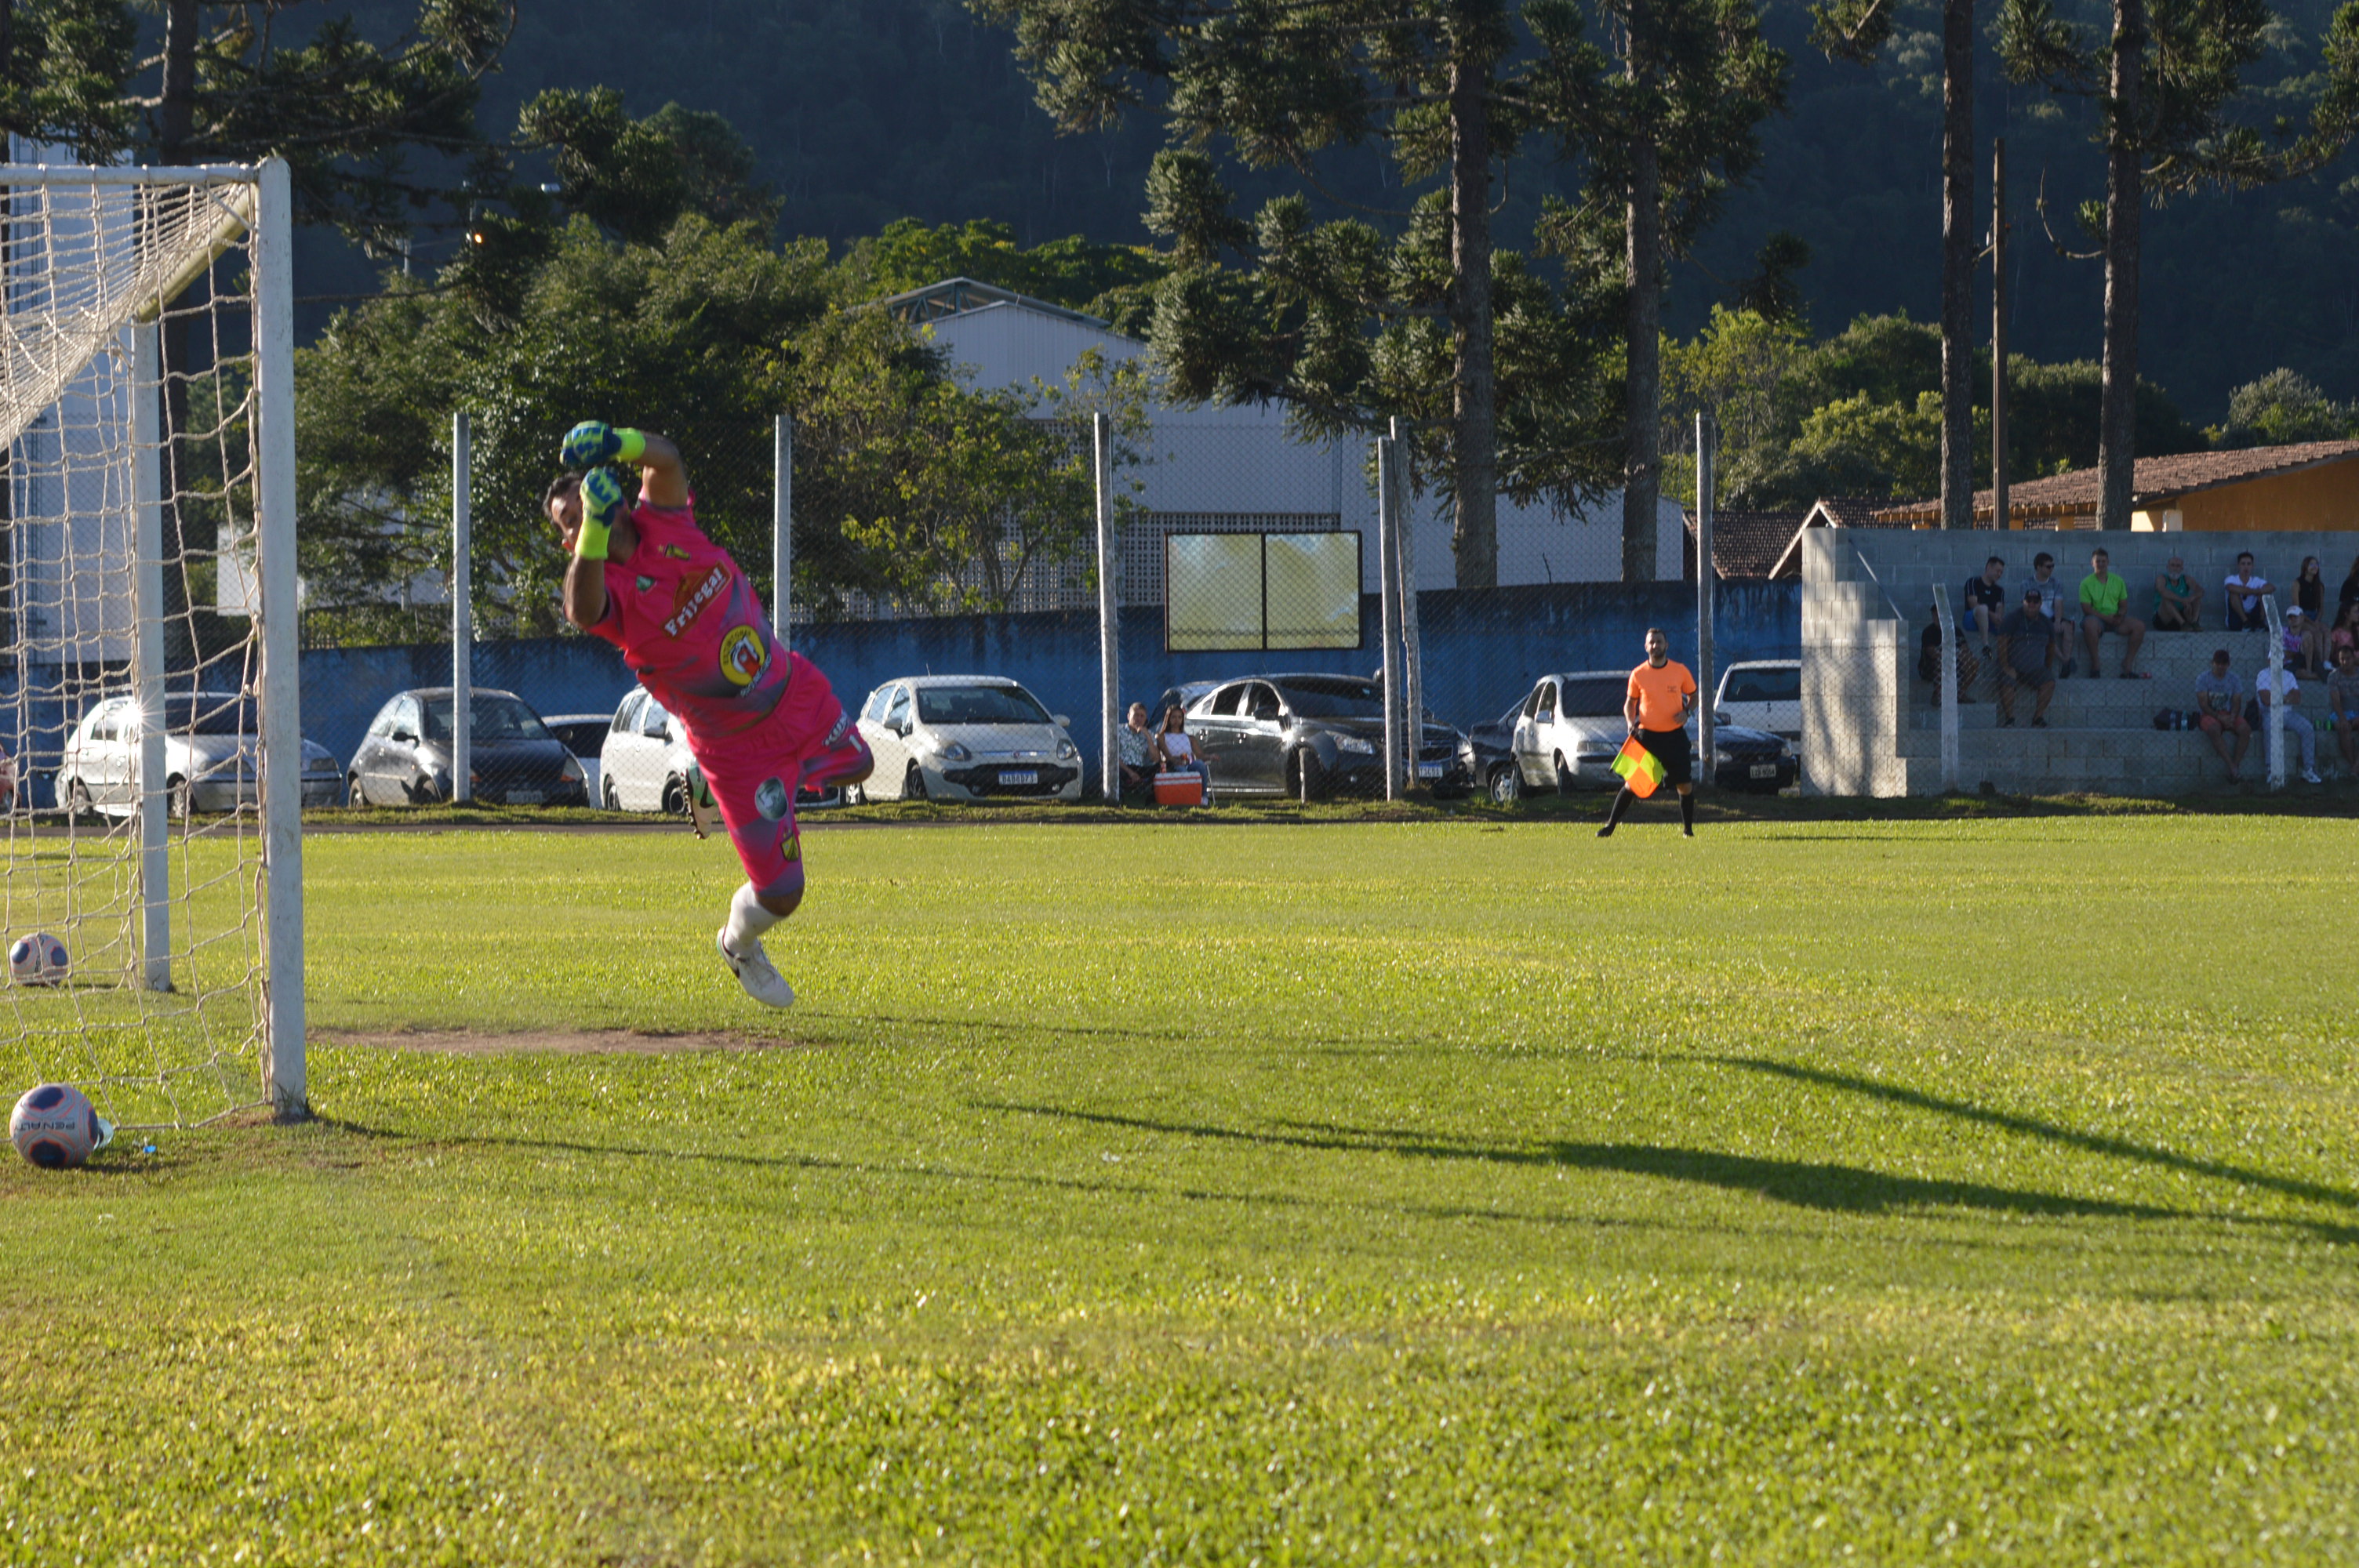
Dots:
pixel 1671 748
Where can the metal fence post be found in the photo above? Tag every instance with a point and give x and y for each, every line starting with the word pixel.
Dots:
pixel 782 528
pixel 1412 649
pixel 284 1076
pixel 1705 580
pixel 1388 601
pixel 148 673
pixel 2276 717
pixel 463 614
pixel 1109 616
pixel 1948 682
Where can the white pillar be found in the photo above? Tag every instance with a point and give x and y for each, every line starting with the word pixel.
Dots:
pixel 147 675
pixel 1412 648
pixel 1109 615
pixel 1388 601
pixel 782 528
pixel 2275 718
pixel 1950 637
pixel 284 1081
pixel 462 612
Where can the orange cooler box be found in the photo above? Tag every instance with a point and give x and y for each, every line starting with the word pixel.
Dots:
pixel 1178 789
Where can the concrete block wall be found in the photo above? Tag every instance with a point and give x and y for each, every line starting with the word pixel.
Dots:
pixel 1860 584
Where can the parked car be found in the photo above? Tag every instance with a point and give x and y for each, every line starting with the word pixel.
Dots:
pixel 1493 742
pixel 210 763
pixel 966 737
pixel 1570 726
pixel 644 761
pixel 582 734
pixel 1762 694
pixel 1313 735
pixel 404 758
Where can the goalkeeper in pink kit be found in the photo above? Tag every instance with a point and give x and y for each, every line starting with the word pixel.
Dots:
pixel 761 721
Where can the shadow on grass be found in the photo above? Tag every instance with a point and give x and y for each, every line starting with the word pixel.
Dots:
pixel 1813 1185
pixel 2090 1142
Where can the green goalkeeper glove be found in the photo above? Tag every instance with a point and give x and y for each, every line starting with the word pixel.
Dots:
pixel 590 442
pixel 601 497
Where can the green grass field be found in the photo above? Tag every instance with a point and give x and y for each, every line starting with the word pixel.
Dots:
pixel 1443 1192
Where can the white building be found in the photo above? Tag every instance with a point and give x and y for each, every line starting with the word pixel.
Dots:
pixel 1221 469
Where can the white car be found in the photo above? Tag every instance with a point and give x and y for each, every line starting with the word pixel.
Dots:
pixel 1762 694
pixel 1568 729
pixel 643 764
pixel 966 737
pixel 210 764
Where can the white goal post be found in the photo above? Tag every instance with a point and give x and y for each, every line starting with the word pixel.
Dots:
pixel 150 699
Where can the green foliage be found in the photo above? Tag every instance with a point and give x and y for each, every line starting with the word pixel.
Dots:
pixel 1388 1238
pixel 636 177
pixel 1859 413
pixel 1072 272
pixel 2283 408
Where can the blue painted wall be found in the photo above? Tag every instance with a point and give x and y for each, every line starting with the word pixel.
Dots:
pixel 1483 650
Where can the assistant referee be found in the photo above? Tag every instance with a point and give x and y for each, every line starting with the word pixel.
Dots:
pixel 1662 695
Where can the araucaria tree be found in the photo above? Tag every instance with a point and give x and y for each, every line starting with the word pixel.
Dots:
pixel 2169 87
pixel 1326 316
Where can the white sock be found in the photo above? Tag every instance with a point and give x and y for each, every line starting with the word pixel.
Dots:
pixel 747 920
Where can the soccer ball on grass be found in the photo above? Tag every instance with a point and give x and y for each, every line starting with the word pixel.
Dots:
pixel 55 1126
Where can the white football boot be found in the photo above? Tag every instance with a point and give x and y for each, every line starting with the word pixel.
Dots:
pixel 755 973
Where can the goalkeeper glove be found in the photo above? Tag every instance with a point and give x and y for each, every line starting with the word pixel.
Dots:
pixel 590 442
pixel 601 497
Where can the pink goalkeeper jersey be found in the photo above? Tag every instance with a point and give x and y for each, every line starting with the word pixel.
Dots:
pixel 690 626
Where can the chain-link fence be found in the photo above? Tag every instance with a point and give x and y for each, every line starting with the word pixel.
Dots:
pixel 1237 647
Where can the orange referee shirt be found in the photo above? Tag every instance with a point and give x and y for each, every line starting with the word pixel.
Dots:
pixel 1658 692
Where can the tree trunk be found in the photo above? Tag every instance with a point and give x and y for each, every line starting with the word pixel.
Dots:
pixel 2125 193
pixel 1474 432
pixel 1958 248
pixel 1642 423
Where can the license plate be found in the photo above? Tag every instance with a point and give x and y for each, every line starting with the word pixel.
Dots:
pixel 1764 769
pixel 1431 769
pixel 526 797
pixel 1020 775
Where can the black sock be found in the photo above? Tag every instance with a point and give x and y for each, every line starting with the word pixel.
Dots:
pixel 1621 804
pixel 1687 812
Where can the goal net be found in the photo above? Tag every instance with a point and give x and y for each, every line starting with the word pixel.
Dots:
pixel 154 761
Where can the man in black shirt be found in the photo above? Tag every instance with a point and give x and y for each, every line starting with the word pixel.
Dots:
pixel 1985 603
pixel 2026 648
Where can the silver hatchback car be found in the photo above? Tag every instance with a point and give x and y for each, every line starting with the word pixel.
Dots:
pixel 211 758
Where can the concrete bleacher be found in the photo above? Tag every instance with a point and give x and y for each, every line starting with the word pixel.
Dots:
pixel 1871 727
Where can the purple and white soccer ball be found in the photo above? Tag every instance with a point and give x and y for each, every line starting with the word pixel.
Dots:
pixel 55 1126
pixel 36 959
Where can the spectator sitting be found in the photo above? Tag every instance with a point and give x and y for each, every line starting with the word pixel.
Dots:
pixel 1928 657
pixel 2055 603
pixel 2026 650
pixel 2305 645
pixel 2220 712
pixel 2342 707
pixel 1134 744
pixel 2310 590
pixel 2345 634
pixel 2178 602
pixel 2350 594
pixel 2245 587
pixel 2103 598
pixel 2282 687
pixel 1175 751
pixel 1985 603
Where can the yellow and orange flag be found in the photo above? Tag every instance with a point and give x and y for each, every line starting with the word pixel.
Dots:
pixel 1639 768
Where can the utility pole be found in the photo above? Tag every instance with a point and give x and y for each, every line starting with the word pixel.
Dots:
pixel 1999 518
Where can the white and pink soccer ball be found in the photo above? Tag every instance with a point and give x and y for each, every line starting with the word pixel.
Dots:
pixel 55 1126
pixel 37 959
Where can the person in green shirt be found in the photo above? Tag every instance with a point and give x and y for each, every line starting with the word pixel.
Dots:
pixel 2103 599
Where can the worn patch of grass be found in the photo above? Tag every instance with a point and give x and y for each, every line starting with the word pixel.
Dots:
pixel 1437 1191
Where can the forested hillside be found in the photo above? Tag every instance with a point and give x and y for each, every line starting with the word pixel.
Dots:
pixel 865 111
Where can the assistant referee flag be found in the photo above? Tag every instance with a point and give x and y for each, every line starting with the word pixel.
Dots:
pixel 1639 768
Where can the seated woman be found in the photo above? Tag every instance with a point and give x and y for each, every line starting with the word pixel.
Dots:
pixel 1174 749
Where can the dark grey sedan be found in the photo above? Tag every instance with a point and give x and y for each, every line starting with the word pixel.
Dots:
pixel 1308 736
pixel 404 758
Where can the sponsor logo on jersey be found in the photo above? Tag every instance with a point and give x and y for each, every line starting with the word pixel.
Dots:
pixel 692 599
pixel 843 725
pixel 744 655
pixel 645 583
pixel 771 800
pixel 676 552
